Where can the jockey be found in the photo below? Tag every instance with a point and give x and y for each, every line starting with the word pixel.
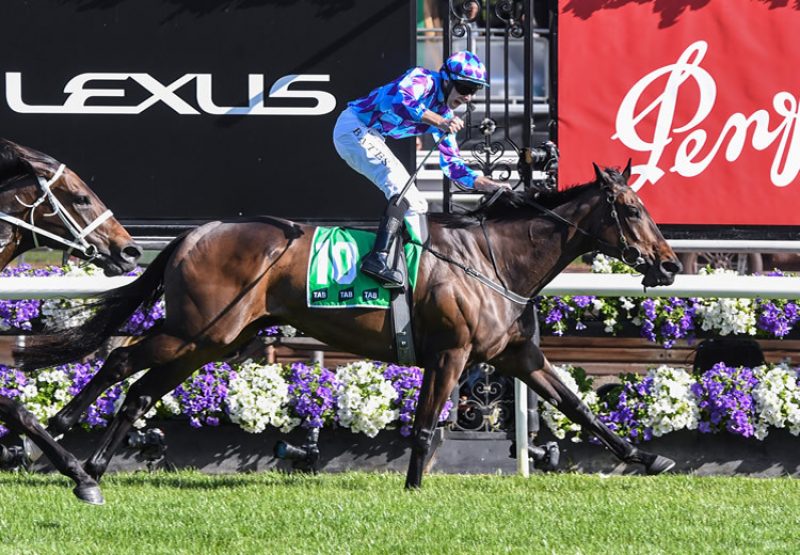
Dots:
pixel 418 102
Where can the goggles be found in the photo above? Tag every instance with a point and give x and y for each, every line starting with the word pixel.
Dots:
pixel 466 88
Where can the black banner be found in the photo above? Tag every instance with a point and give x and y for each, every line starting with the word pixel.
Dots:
pixel 180 110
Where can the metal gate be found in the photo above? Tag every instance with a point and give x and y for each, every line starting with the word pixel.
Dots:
pixel 508 136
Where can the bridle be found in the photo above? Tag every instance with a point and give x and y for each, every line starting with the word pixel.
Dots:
pixel 629 254
pixel 78 241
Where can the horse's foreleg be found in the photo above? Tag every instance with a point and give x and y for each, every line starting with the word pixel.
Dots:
pixel 438 381
pixel 21 420
pixel 529 364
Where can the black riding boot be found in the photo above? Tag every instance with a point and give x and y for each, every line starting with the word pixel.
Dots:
pixel 376 263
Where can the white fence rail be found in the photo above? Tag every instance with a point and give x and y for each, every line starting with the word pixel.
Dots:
pixel 602 285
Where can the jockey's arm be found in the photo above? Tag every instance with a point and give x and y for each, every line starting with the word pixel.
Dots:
pixel 486 184
pixel 457 170
pixel 445 125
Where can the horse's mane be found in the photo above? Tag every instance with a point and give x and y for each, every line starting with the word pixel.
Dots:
pixel 512 205
pixel 11 153
pixel 29 154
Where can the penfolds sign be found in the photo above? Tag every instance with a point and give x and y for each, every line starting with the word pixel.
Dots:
pixel 704 100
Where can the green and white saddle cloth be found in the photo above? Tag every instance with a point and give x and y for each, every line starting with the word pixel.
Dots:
pixel 334 278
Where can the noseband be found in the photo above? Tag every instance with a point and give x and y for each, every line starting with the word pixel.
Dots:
pixel 78 241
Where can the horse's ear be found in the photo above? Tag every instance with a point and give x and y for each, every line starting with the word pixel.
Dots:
pixel 598 173
pixel 626 173
pixel 601 177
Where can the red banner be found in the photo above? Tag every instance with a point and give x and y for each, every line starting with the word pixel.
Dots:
pixel 701 94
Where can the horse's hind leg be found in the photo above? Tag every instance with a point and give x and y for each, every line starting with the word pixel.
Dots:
pixel 438 381
pixel 21 420
pixel 141 397
pixel 528 363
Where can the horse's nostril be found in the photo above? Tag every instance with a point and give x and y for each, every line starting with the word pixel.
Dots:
pixel 132 252
pixel 672 266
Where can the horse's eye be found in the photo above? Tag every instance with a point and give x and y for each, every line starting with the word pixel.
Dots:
pixel 632 211
pixel 82 201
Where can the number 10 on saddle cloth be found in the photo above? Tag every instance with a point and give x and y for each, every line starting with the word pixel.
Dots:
pixel 334 279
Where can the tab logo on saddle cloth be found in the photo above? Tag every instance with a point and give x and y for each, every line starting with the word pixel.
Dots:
pixel 333 277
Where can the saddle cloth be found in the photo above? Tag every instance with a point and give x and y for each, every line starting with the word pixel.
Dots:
pixel 334 279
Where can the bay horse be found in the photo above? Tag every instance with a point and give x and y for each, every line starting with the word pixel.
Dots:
pixel 222 282
pixel 44 203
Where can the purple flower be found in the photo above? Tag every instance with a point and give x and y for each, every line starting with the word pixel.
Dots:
pixel 311 394
pixel 407 381
pixel 668 321
pixel 725 400
pixel 624 410
pixel 776 318
pixel 202 396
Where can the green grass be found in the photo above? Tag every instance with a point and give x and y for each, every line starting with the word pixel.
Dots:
pixel 188 512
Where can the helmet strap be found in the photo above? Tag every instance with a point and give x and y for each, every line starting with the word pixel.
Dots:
pixel 448 88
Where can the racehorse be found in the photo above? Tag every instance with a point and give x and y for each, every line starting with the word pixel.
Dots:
pixel 42 202
pixel 222 282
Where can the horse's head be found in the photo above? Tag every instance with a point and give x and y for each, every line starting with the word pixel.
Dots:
pixel 56 208
pixel 630 234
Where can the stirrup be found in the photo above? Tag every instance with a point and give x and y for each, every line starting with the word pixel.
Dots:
pixel 386 276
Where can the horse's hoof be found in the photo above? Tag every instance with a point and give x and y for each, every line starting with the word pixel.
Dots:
pixel 90 494
pixel 660 465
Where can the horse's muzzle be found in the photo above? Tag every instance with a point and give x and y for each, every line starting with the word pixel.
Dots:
pixel 120 260
pixel 662 272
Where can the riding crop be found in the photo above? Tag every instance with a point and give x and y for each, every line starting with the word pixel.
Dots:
pixel 402 193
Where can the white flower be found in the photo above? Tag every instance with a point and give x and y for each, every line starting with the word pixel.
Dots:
pixel 674 406
pixel 259 397
pixel 601 264
pixel 364 398
pixel 777 399
pixel 170 404
pixel 559 424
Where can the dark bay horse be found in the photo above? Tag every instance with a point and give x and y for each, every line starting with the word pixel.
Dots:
pixel 44 203
pixel 224 281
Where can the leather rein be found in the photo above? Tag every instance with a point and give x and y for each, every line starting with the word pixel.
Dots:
pixel 629 254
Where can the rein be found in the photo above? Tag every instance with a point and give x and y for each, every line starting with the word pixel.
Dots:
pixel 79 234
pixel 630 255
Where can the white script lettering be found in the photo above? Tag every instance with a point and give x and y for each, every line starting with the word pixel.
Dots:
pixel 689 161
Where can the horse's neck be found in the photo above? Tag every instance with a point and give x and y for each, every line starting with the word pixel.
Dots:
pixel 531 252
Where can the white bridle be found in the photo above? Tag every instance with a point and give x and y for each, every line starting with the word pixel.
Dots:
pixel 79 234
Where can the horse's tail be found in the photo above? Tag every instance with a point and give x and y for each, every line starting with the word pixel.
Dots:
pixel 112 307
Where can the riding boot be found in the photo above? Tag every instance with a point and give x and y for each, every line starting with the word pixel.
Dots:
pixel 376 263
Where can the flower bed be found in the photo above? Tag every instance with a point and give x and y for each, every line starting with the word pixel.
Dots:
pixel 364 397
pixel 666 320
pixel 745 402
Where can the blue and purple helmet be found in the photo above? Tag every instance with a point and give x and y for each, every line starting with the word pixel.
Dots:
pixel 465 66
